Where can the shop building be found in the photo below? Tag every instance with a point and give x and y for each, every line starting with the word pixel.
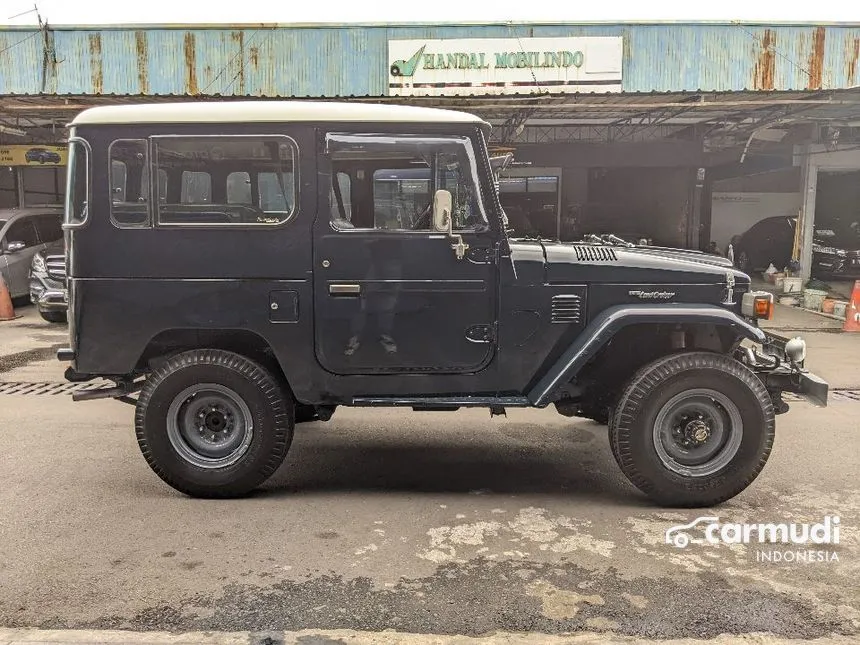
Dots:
pixel 684 134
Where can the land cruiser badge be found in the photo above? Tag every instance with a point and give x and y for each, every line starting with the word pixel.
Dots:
pixel 651 295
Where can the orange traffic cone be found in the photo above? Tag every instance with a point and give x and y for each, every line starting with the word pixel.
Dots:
pixel 7 311
pixel 852 316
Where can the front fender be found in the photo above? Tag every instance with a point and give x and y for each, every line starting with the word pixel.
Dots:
pixel 604 326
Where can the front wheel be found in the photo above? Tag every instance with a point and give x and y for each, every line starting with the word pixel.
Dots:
pixel 693 429
pixel 212 423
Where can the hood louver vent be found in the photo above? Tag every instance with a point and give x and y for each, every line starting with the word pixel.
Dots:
pixel 595 254
pixel 566 309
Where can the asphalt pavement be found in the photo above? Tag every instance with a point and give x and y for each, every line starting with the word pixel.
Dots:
pixel 422 523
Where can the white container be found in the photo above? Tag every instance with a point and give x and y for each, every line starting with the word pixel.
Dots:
pixel 779 281
pixel 792 285
pixel 788 301
pixel 813 299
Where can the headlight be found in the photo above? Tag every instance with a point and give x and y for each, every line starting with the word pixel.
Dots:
pixel 795 349
pixel 38 264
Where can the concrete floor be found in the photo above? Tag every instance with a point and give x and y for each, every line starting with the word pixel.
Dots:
pixel 447 523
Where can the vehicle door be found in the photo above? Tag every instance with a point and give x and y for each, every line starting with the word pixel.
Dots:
pixel 391 294
pixel 19 244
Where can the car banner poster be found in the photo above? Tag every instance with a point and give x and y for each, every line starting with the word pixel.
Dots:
pixel 32 155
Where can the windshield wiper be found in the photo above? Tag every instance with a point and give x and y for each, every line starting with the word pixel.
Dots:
pixel 614 239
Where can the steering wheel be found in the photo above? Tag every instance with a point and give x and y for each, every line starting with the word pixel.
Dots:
pixel 424 219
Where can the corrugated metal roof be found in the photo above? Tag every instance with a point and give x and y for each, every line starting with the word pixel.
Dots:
pixel 332 61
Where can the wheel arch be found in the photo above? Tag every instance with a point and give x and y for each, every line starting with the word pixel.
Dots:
pixel 240 341
pixel 730 329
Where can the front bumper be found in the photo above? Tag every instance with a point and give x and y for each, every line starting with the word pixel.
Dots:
pixel 782 374
pixel 48 294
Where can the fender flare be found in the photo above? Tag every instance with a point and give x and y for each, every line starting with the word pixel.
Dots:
pixel 604 326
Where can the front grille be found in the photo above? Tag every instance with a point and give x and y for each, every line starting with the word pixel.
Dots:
pixel 56 266
pixel 566 308
pixel 594 253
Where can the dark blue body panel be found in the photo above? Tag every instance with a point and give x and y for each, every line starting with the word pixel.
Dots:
pixel 510 319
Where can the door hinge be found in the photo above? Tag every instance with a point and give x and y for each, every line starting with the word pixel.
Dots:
pixel 480 333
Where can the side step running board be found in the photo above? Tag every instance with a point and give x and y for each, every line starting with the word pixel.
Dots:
pixel 443 402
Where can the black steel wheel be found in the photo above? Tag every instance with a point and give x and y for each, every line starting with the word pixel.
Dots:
pixel 212 423
pixel 693 429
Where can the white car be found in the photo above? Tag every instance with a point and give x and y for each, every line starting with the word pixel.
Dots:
pixel 23 233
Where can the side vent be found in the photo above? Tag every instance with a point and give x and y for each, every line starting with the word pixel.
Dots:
pixel 595 253
pixel 566 309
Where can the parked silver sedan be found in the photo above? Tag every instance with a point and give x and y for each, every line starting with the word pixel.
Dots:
pixel 23 233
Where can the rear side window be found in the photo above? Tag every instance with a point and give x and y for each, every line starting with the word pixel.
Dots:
pixel 222 180
pixel 77 183
pixel 129 185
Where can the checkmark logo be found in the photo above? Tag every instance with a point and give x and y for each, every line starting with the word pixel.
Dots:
pixel 407 67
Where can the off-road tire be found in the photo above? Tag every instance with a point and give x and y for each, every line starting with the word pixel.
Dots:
pixel 270 405
pixel 632 426
pixel 54 316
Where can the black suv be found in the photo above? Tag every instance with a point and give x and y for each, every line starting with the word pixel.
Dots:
pixel 771 240
pixel 245 266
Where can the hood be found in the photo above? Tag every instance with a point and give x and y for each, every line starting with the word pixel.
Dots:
pixel 688 254
pixel 569 262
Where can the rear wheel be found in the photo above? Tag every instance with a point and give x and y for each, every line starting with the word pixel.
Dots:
pixel 693 429
pixel 212 423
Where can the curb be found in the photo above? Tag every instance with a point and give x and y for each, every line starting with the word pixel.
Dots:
pixel 388 637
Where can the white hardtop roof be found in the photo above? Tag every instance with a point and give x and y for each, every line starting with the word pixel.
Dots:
pixel 268 112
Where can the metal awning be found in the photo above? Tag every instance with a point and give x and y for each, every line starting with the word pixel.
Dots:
pixel 721 119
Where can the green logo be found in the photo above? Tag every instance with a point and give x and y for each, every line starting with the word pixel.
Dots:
pixel 407 67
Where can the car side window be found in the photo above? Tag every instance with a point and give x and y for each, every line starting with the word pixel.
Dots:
pixel 22 230
pixel 49 228
pixel 387 182
pixel 225 179
pixel 129 187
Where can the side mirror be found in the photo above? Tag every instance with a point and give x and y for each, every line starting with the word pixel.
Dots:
pixel 14 247
pixel 443 222
pixel 442 205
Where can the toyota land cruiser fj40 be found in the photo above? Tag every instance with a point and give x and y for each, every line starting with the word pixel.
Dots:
pixel 236 268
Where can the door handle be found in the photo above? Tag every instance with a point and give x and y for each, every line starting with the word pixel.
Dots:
pixel 344 289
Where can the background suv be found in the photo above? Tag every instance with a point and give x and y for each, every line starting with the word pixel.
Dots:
pixel 771 241
pixel 48 282
pixel 23 233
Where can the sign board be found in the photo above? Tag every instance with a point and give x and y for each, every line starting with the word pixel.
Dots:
pixel 34 155
pixel 472 66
